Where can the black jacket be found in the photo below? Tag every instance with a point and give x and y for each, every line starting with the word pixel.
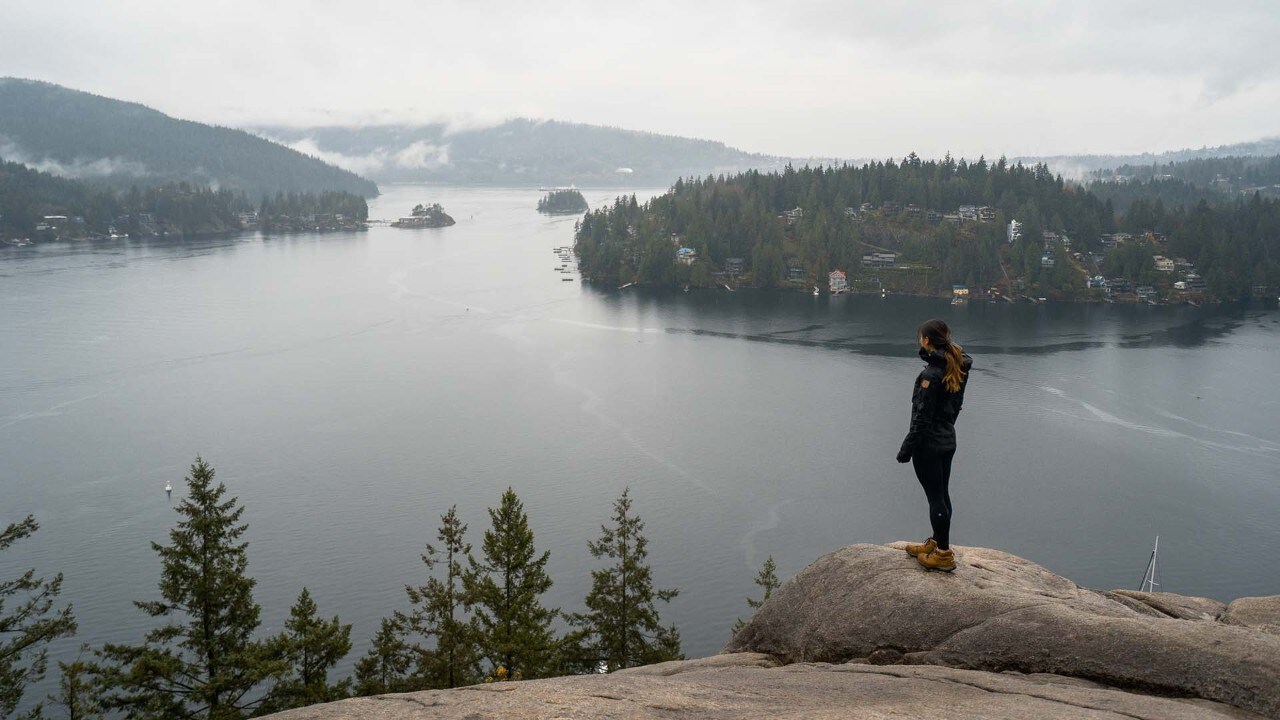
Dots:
pixel 934 408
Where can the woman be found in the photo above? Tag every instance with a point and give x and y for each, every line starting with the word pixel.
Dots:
pixel 931 443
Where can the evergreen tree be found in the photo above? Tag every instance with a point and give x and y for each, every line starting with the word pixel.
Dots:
pixel 76 694
pixel 28 628
pixel 767 578
pixel 439 614
pixel 311 646
pixel 504 588
pixel 622 628
pixel 204 662
pixel 385 667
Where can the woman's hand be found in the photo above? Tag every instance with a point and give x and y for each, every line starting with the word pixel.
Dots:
pixel 904 455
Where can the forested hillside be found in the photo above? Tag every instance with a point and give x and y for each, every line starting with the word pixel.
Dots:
pixel 120 144
pixel 938 224
pixel 39 206
pixel 520 152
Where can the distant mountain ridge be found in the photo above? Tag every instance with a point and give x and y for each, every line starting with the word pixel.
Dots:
pixel 1084 166
pixel 521 151
pixel 85 136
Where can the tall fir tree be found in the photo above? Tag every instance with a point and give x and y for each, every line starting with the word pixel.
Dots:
pixel 311 646
pixel 767 578
pixel 385 667
pixel 439 615
pixel 27 628
pixel 505 589
pixel 621 627
pixel 77 695
pixel 203 662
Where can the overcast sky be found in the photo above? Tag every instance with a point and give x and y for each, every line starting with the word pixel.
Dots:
pixel 833 79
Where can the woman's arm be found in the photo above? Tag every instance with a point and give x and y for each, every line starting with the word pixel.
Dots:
pixel 924 401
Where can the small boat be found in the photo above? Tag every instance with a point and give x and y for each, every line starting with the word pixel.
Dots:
pixel 815 291
pixel 168 487
pixel 726 287
pixel 566 279
pixel 624 287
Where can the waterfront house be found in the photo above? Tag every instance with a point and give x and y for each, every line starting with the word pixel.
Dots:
pixel 1014 232
pixel 837 281
pixel 1097 281
pixel 1163 264
pixel 735 266
pixel 795 273
pixel 1119 285
pixel 880 260
pixel 1195 283
pixel 1148 293
pixel 686 256
pixel 960 290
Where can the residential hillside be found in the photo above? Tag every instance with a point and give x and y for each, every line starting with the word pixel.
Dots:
pixel 925 227
pixel 121 144
pixel 520 152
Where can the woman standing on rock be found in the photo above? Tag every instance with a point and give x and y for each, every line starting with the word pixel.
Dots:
pixel 931 443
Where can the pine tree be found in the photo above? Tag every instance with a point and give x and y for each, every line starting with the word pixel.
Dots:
pixel 439 615
pixel 767 578
pixel 76 694
pixel 204 662
pixel 311 646
pixel 385 667
pixel 621 627
pixel 29 627
pixel 515 629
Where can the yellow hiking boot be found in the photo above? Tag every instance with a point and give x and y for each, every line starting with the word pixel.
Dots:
pixel 936 559
pixel 926 547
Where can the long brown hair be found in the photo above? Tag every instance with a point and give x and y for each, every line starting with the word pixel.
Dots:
pixel 938 335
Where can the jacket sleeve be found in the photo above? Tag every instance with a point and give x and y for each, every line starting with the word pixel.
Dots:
pixel 924 401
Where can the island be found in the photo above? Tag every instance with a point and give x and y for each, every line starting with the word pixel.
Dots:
pixel 563 202
pixel 425 216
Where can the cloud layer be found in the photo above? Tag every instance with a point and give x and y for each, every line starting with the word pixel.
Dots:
pixel 806 78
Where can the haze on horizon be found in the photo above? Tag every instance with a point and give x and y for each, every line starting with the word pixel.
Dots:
pixel 822 79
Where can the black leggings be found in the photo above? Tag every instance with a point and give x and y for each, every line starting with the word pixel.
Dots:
pixel 933 470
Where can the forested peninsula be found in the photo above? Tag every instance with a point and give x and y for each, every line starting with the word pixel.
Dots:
pixel 937 228
pixel 37 206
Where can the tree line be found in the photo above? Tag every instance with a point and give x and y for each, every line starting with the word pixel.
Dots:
pixel 477 617
pixel 1235 242
pixel 27 196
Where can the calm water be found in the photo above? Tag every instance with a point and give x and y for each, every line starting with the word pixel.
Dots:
pixel 349 388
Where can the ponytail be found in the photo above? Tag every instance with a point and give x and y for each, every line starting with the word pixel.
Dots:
pixel 938 336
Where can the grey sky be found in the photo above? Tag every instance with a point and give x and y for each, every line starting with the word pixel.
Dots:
pixel 793 78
